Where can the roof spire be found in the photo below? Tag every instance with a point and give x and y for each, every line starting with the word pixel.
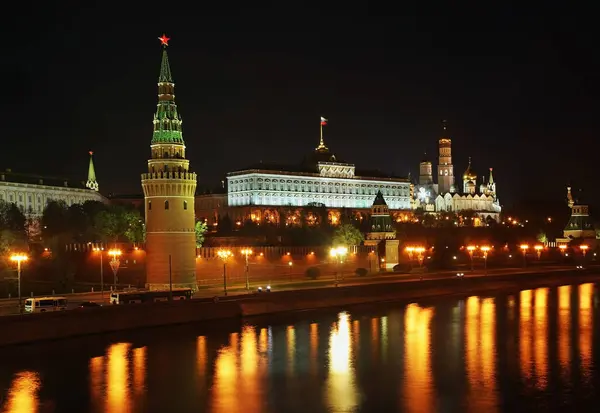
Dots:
pixel 91 183
pixel 444 125
pixel 491 180
pixel 322 147
pixel 167 121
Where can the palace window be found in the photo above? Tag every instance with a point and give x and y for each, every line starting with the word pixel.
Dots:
pixel 167 204
pixel 185 205
pixel 149 205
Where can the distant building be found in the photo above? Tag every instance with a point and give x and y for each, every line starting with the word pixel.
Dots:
pixel 446 197
pixel 580 225
pixel 31 193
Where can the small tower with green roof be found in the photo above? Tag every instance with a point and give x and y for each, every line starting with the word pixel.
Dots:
pixel 169 188
pixel 91 183
pixel 382 235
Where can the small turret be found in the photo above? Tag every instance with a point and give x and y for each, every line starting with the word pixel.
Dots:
pixel 91 183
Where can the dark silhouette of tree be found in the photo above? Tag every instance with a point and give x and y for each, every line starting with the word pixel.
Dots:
pixel 225 226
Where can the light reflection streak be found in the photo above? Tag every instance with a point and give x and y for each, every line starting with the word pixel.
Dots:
pixel 375 338
pixel 480 353
pixel 525 333
pixel 314 347
pixel 201 356
pixel 586 292
pixel 97 380
pixel 23 393
pixel 291 349
pixel 238 374
pixel 117 378
pixel 564 329
pixel 341 387
pixel 418 395
pixel 541 338
pixel 139 370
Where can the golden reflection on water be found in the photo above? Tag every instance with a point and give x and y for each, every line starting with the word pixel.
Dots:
pixel 418 395
pixel 291 349
pixel 586 292
pixel 564 329
pixel 23 393
pixel 201 356
pixel 525 333
pixel 540 334
pixel 238 374
pixel 139 370
pixel 314 347
pixel 117 379
pixel 480 353
pixel 341 383
pixel 97 380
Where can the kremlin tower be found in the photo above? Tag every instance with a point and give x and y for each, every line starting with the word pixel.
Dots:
pixel 169 189
pixel 445 167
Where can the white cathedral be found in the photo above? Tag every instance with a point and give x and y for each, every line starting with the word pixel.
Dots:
pixel 446 197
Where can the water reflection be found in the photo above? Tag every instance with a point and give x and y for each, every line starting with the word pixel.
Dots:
pixel 564 329
pixel 540 333
pixel 23 393
pixel 415 362
pixel 238 376
pixel 117 379
pixel 586 292
pixel 341 387
pixel 418 392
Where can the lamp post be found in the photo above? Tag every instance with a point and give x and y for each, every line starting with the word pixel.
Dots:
pixel 584 248
pixel 485 249
pixel 524 248
pixel 339 253
pixel 246 252
pixel 410 251
pixel 538 249
pixel 19 258
pixel 224 255
pixel 471 249
pixel 114 265
pixel 420 257
pixel 100 250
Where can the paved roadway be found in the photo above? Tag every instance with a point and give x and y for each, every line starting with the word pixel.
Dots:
pixel 10 306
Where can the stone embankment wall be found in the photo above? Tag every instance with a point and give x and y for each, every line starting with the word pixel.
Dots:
pixel 49 326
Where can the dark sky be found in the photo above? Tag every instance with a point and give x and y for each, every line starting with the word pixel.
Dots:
pixel 519 89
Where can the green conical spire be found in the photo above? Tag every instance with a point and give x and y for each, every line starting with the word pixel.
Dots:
pixel 165 69
pixel 91 183
pixel 167 121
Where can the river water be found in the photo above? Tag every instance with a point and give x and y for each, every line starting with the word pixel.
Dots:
pixel 536 350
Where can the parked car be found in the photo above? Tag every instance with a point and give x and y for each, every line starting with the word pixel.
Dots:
pixel 89 304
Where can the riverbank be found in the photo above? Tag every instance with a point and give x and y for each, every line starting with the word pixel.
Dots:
pixel 49 326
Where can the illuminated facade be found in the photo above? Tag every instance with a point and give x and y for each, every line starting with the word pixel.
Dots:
pixel 445 197
pixel 169 189
pixel 580 225
pixel 32 193
pixel 320 179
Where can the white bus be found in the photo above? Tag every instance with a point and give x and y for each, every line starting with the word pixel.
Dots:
pixel 137 297
pixel 45 304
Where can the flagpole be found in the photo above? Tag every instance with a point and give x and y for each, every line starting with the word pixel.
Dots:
pixel 321 143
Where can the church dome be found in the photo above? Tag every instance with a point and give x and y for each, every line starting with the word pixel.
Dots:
pixel 469 175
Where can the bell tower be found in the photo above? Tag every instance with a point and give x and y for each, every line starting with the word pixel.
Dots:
pixel 445 167
pixel 169 189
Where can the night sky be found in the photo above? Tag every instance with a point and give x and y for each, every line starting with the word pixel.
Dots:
pixel 519 89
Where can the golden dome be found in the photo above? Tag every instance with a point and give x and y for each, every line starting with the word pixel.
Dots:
pixel 469 174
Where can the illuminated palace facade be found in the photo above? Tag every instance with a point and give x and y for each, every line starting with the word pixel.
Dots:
pixel 262 191
pixel 31 193
pixel 445 196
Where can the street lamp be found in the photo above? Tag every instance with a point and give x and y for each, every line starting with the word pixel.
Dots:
pixel 19 258
pixel 410 251
pixel 114 264
pixel 420 251
pixel 471 249
pixel 485 249
pixel 584 248
pixel 339 253
pixel 524 248
pixel 246 252
pixel 100 250
pixel 562 248
pixel 538 250
pixel 224 255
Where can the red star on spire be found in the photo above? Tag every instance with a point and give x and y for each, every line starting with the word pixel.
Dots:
pixel 164 40
pixel 91 153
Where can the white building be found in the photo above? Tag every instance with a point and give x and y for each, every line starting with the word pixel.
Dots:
pixel 319 179
pixel 445 197
pixel 31 193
